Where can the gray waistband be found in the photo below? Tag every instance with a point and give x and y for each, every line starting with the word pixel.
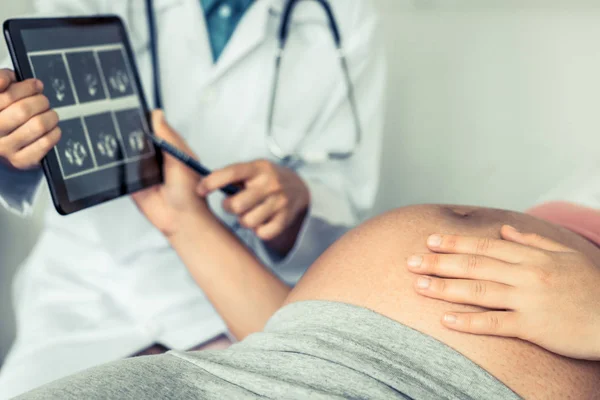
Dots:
pixel 409 361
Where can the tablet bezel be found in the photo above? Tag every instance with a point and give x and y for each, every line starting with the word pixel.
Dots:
pixel 12 30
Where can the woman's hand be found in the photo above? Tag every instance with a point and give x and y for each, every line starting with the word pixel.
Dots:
pixel 272 200
pixel 537 290
pixel 170 205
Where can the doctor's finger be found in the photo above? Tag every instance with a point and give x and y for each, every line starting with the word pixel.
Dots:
pixel 32 155
pixel 7 77
pixel 30 131
pixel 23 112
pixel 235 173
pixel 464 266
pixel 470 292
pixel 273 228
pixel 244 201
pixel 19 91
pixel 260 214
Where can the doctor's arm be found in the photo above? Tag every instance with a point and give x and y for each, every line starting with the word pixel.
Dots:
pixel 242 290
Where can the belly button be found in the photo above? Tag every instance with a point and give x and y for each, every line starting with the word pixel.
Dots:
pixel 460 212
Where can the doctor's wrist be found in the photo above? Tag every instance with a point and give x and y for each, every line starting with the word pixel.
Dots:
pixel 191 224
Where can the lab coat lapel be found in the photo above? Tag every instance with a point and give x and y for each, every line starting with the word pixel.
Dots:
pixel 197 40
pixel 250 33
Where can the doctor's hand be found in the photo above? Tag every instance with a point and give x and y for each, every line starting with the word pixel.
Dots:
pixel 274 199
pixel 174 203
pixel 537 290
pixel 28 128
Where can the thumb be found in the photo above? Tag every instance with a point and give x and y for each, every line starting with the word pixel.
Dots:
pixel 531 239
pixel 164 131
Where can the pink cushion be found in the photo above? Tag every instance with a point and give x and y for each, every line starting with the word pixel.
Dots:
pixel 579 219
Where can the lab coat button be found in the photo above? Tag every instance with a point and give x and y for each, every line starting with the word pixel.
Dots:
pixel 225 11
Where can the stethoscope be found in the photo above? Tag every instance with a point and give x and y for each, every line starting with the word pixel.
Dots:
pixel 284 30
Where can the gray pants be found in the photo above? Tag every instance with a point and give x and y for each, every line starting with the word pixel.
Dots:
pixel 309 350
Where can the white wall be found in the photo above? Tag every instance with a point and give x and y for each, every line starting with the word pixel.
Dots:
pixel 491 102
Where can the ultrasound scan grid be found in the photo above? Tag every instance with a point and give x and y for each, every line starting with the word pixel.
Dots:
pixel 86 76
pixel 106 143
pixel 132 132
pixel 51 70
pixel 74 153
pixel 94 91
pixel 116 73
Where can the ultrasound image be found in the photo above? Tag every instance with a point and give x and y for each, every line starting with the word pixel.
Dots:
pixel 86 76
pixel 118 80
pixel 104 139
pixel 132 131
pixel 51 70
pixel 73 150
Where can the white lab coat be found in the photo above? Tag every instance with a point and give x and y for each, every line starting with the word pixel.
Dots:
pixel 103 284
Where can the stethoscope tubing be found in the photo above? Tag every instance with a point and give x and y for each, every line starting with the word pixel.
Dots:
pixel 283 35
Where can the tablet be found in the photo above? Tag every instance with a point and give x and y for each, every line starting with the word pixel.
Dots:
pixel 91 80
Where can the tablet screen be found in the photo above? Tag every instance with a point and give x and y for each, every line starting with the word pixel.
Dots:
pixel 92 84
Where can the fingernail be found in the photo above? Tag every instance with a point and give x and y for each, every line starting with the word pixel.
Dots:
pixel 39 85
pixel 423 283
pixel 434 241
pixel 415 261
pixel 450 319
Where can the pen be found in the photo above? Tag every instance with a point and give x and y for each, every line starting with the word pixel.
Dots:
pixel 229 190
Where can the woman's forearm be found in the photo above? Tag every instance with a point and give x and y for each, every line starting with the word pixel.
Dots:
pixel 240 288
